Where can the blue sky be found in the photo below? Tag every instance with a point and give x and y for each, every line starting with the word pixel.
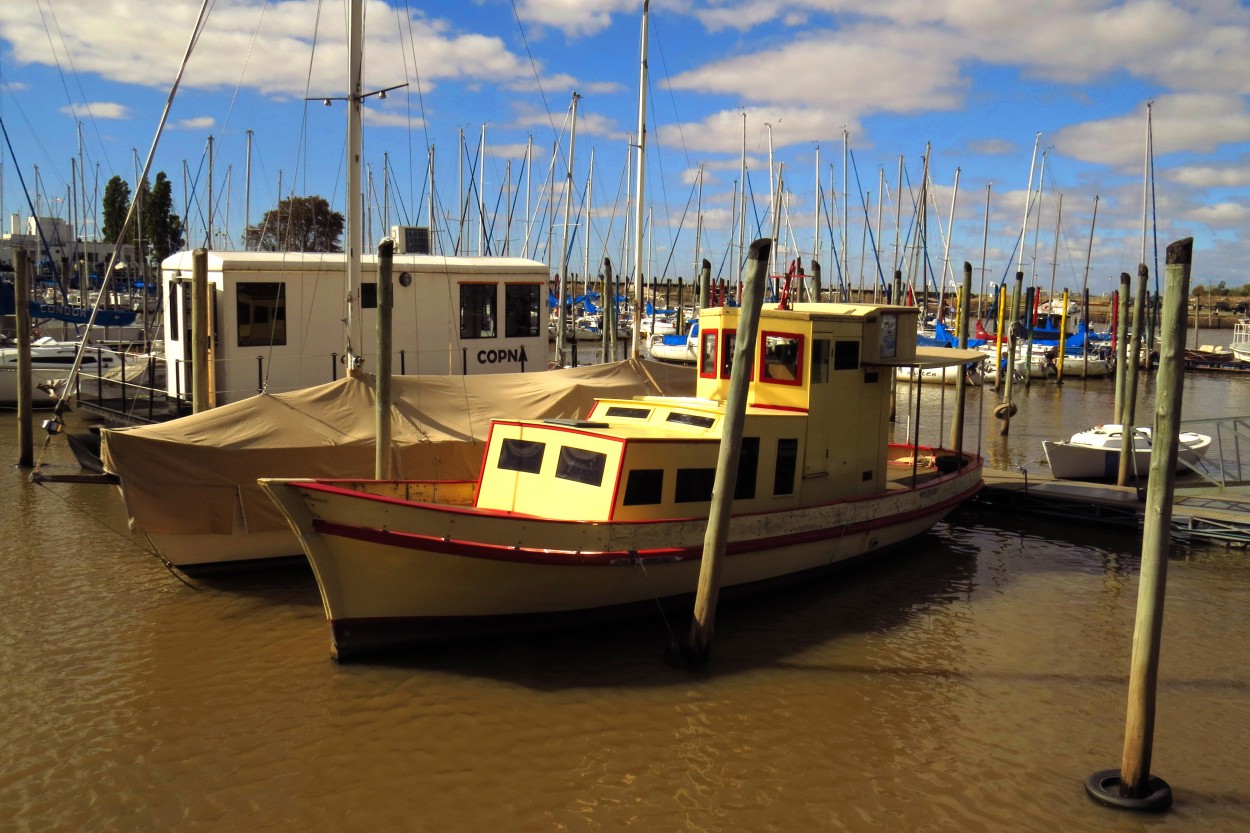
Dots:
pixel 976 81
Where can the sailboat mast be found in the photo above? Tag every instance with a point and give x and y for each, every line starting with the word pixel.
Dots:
pixel 562 314
pixel 639 209
pixel 247 190
pixel 355 51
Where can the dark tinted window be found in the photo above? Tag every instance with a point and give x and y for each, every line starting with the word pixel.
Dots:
pixel 521 455
pixel 644 486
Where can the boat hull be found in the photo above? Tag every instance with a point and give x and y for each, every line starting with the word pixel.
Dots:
pixel 393 572
pixel 1076 460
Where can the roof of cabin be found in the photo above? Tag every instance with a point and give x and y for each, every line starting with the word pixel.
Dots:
pixel 337 261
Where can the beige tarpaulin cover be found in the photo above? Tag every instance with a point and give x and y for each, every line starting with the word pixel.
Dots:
pixel 186 475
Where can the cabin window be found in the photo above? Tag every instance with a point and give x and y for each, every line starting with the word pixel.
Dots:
pixel 691 419
pixel 261 309
pixel 694 485
pixel 520 310
pixel 781 357
pixel 175 309
pixel 368 295
pixel 581 466
pixel 521 455
pixel 820 361
pixel 787 460
pixel 748 467
pixel 707 354
pixel 629 413
pixel 643 487
pixel 478 310
pixel 727 353
pixel 846 355
pixel 889 336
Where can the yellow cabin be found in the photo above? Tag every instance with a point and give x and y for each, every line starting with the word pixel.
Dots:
pixel 816 426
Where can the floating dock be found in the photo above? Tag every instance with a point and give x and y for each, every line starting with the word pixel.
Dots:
pixel 1200 510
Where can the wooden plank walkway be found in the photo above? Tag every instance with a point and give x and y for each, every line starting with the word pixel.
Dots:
pixel 1199 510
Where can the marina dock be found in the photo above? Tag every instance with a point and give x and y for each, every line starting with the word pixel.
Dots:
pixel 1200 509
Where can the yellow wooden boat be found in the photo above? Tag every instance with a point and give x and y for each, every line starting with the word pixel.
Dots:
pixel 604 516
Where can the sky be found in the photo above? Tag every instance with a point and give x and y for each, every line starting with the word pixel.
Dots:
pixel 835 109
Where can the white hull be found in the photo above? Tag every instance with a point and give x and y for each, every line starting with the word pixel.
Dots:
pixel 1095 454
pixel 392 573
pixel 51 362
pixel 939 375
pixel 1039 367
pixel 1241 341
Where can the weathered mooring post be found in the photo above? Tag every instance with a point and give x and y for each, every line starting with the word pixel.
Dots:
pixel 1007 409
pixel 961 382
pixel 1132 786
pixel 201 335
pixel 21 310
pixel 1121 345
pixel 701 625
pixel 1129 416
pixel 382 381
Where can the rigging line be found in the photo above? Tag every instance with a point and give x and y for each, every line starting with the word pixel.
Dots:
pixel 246 61
pixel 63 399
pixel 416 71
pixel 542 94
pixel 655 35
pixel 876 253
pixel 60 72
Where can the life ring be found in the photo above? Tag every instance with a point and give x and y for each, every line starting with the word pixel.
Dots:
pixel 1005 410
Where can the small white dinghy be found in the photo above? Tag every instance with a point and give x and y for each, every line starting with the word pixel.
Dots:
pixel 1095 454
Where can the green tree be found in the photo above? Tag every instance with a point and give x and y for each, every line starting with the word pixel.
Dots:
pixel 116 204
pixel 298 224
pixel 162 229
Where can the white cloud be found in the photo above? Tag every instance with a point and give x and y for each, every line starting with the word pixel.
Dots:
pixel 98 110
pixel 1182 122
pixel 575 17
pixel 1210 176
pixel 383 118
pixel 1224 215
pixel 196 123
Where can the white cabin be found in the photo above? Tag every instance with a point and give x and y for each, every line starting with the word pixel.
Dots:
pixel 279 318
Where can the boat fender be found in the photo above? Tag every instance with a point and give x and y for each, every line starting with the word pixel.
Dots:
pixel 1005 410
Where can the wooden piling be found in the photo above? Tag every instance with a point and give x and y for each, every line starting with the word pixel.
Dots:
pixel 702 623
pixel 1129 416
pixel 1132 786
pixel 382 391
pixel 200 334
pixel 961 330
pixel 25 405
pixel 1008 408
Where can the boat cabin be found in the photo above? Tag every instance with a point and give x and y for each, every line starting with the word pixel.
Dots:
pixel 277 318
pixel 816 427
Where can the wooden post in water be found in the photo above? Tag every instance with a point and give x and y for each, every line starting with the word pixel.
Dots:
pixel 200 334
pixel 998 338
pixel 1007 409
pixel 1121 347
pixel 961 329
pixel 816 289
pixel 382 389
pixel 1063 331
pixel 21 310
pixel 701 624
pixel 1132 786
pixel 1030 321
pixel 1129 415
pixel 705 283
